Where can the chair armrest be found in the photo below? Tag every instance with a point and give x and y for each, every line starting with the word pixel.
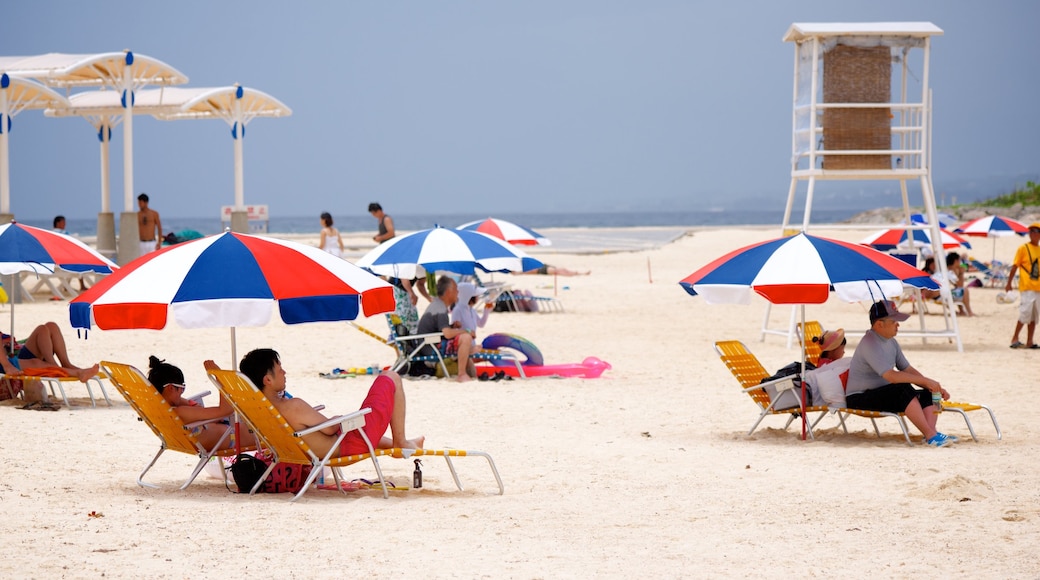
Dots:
pixel 198 397
pixel 431 338
pixel 206 422
pixel 348 422
pixel 782 384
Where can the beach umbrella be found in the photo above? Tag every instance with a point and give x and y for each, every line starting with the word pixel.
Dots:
pixel 230 280
pixel 27 249
pixel 508 231
pixel 894 238
pixel 800 270
pixel 945 220
pixel 993 226
pixel 458 251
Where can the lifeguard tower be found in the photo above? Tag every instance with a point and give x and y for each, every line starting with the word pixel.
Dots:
pixel 848 126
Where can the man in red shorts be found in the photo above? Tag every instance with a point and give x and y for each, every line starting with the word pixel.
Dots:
pixel 385 398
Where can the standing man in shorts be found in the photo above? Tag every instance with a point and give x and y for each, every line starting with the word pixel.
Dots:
pixel 881 379
pixel 1027 264
pixel 385 398
pixel 149 226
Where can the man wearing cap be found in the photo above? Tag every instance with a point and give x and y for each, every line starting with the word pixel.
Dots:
pixel 1027 259
pixel 881 379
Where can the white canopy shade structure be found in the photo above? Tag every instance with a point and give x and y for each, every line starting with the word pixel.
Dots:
pixel 236 105
pixel 16 95
pixel 124 72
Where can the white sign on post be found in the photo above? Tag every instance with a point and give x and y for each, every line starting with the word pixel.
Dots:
pixel 254 213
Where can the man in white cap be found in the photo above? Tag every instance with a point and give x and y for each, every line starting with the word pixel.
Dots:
pixel 1027 264
pixel 881 379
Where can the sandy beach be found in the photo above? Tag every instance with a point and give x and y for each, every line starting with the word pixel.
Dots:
pixel 645 472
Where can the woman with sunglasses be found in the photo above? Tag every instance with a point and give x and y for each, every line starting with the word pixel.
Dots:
pixel 169 381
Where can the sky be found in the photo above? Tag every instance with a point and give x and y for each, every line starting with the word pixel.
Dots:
pixel 534 106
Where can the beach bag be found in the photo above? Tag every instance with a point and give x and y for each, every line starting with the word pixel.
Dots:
pixel 788 398
pixel 285 477
pixel 247 470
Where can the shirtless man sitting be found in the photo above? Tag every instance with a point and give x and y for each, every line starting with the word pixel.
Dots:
pixel 385 398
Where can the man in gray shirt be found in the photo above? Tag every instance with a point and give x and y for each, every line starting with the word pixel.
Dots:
pixel 455 341
pixel 881 379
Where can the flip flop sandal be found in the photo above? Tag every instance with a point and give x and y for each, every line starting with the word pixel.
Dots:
pixel 28 406
pixel 47 407
pixel 1034 346
pixel 1017 344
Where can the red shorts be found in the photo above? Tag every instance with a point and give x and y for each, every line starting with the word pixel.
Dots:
pixel 381 400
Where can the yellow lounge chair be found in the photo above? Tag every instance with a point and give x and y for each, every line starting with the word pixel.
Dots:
pixel 163 420
pixel 288 446
pixel 749 372
pixel 59 383
pixel 814 329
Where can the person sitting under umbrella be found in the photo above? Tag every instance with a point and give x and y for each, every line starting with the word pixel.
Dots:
pixel 881 379
pixel 454 340
pixel 385 398
pixel 44 349
pixel 169 381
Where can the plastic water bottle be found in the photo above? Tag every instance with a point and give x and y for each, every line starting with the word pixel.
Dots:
pixel 937 402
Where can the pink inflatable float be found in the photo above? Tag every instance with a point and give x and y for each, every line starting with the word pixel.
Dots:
pixel 531 360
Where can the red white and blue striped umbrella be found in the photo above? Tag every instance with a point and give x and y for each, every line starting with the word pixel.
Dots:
pixel 230 280
pixel 508 231
pixel 803 269
pixel 993 226
pixel 945 220
pixel 885 240
pixel 27 249
pixel 458 251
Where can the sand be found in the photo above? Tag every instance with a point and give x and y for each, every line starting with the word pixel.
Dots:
pixel 645 472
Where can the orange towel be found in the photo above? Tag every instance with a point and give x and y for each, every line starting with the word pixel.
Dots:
pixel 46 372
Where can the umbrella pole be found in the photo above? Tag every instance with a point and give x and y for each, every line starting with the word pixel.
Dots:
pixel 803 373
pixel 11 299
pixel 234 365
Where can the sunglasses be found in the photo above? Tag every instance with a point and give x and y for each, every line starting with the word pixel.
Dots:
pixel 176 386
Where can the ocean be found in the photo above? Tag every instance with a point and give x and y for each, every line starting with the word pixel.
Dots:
pixel 87 227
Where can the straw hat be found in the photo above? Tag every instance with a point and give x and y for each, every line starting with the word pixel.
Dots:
pixel 831 339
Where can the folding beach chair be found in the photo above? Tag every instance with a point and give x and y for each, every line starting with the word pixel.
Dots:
pixel 163 420
pixel 410 349
pixel 749 372
pixel 288 446
pixel 57 384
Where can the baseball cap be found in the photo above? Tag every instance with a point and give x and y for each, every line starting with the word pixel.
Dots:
pixel 1034 226
pixel 886 309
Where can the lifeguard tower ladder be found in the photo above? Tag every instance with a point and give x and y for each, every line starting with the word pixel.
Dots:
pixel 847 126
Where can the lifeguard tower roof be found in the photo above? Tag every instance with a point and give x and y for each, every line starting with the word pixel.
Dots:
pixel 801 30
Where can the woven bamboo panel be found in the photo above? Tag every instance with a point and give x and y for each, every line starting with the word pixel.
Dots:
pixel 857 75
